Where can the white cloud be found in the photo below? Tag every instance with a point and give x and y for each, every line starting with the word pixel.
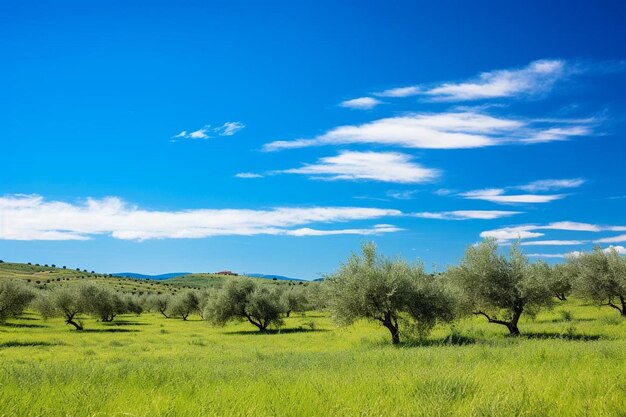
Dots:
pixel 546 255
pixel 248 175
pixel 466 214
pixel 549 185
pixel 229 128
pixel 536 78
pixel 613 239
pixel 400 92
pixel 206 132
pixel 363 103
pixel 34 218
pixel 619 249
pixel 374 166
pixel 402 195
pixel 497 195
pixel 511 233
pixel 376 230
pixel 572 226
pixel 448 130
pixel 553 242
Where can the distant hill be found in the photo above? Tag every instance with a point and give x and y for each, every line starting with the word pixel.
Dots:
pixel 154 277
pixel 278 277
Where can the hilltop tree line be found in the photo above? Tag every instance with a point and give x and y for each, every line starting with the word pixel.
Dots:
pixel 400 296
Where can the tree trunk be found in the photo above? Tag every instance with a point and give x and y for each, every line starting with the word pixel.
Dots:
pixel 260 324
pixel 623 300
pixel 392 326
pixel 164 315
pixel 288 313
pixel 517 313
pixel 511 325
pixel 73 323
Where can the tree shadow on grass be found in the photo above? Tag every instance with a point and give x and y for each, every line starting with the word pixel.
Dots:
pixel 109 331
pixel 274 331
pixel 450 340
pixel 124 323
pixel 23 325
pixel 563 336
pixel 15 343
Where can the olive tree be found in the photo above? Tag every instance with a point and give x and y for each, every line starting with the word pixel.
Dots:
pixel 185 304
pixel 14 298
pixel 373 287
pixel 500 288
pixel 161 303
pixel 244 299
pixel 66 302
pixel 601 277
pixel 294 299
pixel 101 302
pixel 559 280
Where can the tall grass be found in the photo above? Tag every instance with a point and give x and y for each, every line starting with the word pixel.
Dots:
pixel 152 366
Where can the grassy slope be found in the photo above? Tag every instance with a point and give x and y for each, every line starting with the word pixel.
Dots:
pixel 152 366
pixel 50 277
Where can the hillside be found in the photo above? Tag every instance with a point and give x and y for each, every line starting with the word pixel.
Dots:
pixel 48 277
pixel 153 277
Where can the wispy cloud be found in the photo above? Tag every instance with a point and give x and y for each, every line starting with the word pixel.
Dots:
pixel 374 166
pixel 536 78
pixel 229 128
pixel 378 229
pixel 505 196
pixel 553 242
pixel 621 250
pixel 363 103
pixel 549 185
pixel 447 130
pixel 466 214
pixel 409 91
pixel 402 195
pixel 208 132
pixel 536 230
pixel 248 175
pixel 497 195
pixel 612 239
pixel 31 217
pixel 511 233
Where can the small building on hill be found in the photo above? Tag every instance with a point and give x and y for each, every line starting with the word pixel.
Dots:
pixel 227 273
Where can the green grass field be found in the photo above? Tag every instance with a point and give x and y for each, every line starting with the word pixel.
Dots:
pixel 567 364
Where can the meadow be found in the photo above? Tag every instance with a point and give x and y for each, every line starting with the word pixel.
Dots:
pixel 570 361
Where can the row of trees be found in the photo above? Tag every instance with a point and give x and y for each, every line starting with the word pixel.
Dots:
pixel 500 288
pixel 399 295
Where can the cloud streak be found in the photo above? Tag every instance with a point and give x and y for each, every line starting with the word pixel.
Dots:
pixel 466 214
pixel 371 166
pixel 446 130
pixel 361 103
pixel 31 217
pixel 536 78
pixel 208 132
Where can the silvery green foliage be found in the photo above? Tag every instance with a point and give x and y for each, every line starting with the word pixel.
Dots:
pixel 67 302
pixel 560 279
pixel 185 304
pixel 500 287
pixel 14 298
pixel 601 277
pixel 244 299
pixel 376 288
pixel 294 299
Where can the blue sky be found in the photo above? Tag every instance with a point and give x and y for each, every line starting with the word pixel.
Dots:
pixel 276 137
